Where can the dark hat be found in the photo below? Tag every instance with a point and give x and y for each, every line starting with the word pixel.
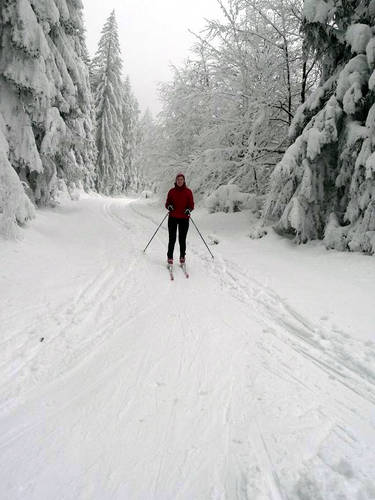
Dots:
pixel 180 175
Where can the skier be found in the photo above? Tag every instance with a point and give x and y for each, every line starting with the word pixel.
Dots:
pixel 180 203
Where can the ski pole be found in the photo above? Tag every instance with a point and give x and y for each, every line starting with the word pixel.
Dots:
pixel 166 215
pixel 201 236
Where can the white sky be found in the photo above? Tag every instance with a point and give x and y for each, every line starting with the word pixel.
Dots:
pixel 153 34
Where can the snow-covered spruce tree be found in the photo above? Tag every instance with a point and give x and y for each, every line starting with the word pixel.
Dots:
pixel 15 206
pixel 109 99
pixel 45 95
pixel 324 187
pixel 130 119
pixel 150 164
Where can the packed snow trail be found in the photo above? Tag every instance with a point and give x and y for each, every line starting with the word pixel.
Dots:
pixel 146 388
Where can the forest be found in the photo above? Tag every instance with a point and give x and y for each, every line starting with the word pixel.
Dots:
pixel 272 111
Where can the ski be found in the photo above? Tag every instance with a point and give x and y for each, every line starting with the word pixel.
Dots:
pixel 170 269
pixel 183 267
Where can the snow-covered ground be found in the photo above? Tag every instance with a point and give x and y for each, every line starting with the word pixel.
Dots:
pixel 253 379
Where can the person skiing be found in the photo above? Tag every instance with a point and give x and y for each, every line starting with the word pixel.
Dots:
pixel 180 203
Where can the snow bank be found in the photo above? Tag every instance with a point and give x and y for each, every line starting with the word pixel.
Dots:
pixel 147 194
pixel 335 236
pixel 228 198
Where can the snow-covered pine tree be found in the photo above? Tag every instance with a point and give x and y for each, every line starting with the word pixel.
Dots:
pixel 89 153
pixel 148 159
pixel 15 206
pixel 324 187
pixel 130 114
pixel 45 95
pixel 109 96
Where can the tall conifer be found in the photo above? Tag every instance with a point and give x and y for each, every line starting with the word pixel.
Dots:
pixel 108 95
pixel 45 100
pixel 324 187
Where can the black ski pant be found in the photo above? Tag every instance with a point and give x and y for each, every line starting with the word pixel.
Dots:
pixel 183 227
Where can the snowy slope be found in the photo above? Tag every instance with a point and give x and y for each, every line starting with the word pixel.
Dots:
pixel 254 379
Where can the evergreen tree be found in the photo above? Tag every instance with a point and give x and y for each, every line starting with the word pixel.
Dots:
pixel 15 206
pixel 148 160
pixel 109 100
pixel 45 96
pixel 130 114
pixel 324 187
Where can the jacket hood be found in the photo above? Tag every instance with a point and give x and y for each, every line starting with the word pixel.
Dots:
pixel 175 182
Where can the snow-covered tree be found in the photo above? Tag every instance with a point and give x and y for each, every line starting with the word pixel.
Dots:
pixel 227 111
pixel 45 98
pixel 130 119
pixel 150 164
pixel 15 206
pixel 324 187
pixel 109 96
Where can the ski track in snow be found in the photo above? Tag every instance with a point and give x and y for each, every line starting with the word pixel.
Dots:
pixel 64 320
pixel 351 361
pixel 207 388
pixel 346 361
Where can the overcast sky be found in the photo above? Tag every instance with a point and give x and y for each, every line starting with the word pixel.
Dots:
pixel 153 34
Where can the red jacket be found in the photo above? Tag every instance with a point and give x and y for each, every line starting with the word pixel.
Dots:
pixel 181 198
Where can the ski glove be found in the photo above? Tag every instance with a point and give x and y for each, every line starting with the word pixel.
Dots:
pixel 187 211
pixel 170 208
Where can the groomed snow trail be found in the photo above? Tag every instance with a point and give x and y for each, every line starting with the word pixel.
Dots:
pixel 210 387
